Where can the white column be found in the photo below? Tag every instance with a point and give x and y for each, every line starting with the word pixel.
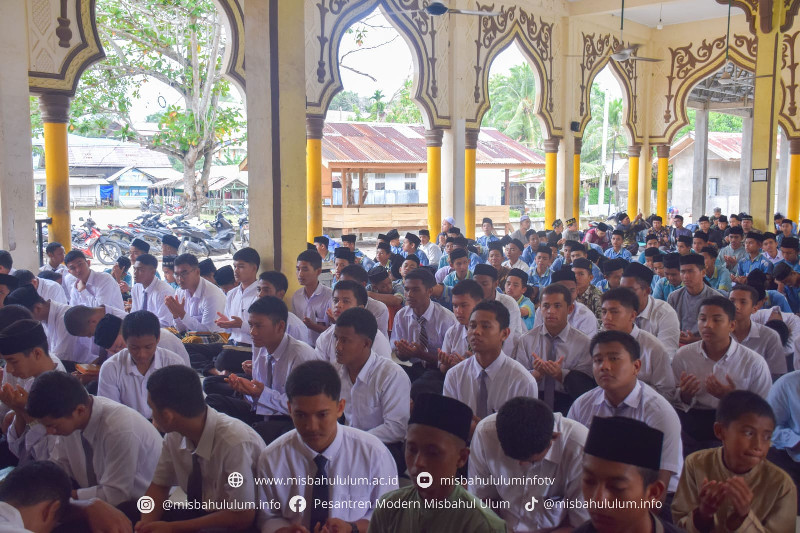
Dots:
pixel 453 172
pixel 746 162
pixel 783 175
pixel 17 213
pixel 700 169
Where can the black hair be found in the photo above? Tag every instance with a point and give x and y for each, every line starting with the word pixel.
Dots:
pixel 424 275
pixel 6 260
pixel 361 320
pixel 124 263
pixel 276 279
pixel 52 275
pixel 23 276
pixel 469 287
pixel 357 273
pixel 630 344
pixel 141 324
pixel 311 257
pixel 72 255
pixel 270 306
pixel 780 327
pixel 75 319
pixel 557 288
pixel 738 403
pixel 206 266
pixel 36 482
pixel 147 260
pixel 524 427
pixel 55 394
pixel 248 255
pixel 187 259
pixel 625 296
pixel 355 287
pixel 753 292
pixel 710 250
pixel 721 302
pixel 501 314
pixel 781 271
pixel 313 378
pixel 11 313
pixel 52 247
pixel 177 387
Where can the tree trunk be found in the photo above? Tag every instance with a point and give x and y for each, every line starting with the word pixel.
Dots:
pixel 192 208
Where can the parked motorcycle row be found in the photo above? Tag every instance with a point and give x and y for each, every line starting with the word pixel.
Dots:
pixel 197 237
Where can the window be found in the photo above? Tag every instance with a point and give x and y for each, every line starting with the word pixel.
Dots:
pixel 713 184
pixel 410 176
pixel 411 186
pixel 380 186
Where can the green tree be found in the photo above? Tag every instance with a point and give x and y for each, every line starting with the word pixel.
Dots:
pixel 180 44
pixel 592 147
pixel 378 108
pixel 512 98
pixel 401 108
pixel 345 101
pixel 716 122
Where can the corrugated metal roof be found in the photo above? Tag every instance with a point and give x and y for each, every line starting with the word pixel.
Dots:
pixel 728 146
pixel 355 142
pixel 99 152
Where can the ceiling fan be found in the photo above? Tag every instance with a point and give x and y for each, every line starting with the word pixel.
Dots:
pixel 437 9
pixel 726 78
pixel 627 53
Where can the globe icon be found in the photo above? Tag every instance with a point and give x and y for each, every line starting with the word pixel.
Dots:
pixel 235 480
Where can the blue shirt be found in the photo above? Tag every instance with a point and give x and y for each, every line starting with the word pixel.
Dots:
pixel 721 279
pixel 529 255
pixel 664 288
pixel 474 260
pixel 397 250
pixel 557 264
pixel 536 280
pixel 795 267
pixel 366 263
pixel 484 241
pixel 775 298
pixel 526 302
pixel 623 254
pixel 747 265
pixel 452 279
pixel 793 299
pixel 785 404
pixel 423 259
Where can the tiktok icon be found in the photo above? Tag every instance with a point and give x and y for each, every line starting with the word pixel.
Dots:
pixel 531 504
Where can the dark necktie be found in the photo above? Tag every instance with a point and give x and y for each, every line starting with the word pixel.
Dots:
pixel 483 396
pixel 194 485
pixel 91 477
pixel 423 333
pixel 320 492
pixel 270 363
pixel 144 303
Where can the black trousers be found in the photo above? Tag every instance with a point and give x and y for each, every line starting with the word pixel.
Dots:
pixel 270 427
pixel 204 357
pixel 218 385
pixel 697 430
pixel 789 465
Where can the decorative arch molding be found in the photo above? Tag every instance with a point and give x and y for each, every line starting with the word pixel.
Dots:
pixel 534 36
pixel 426 36
pixel 686 67
pixel 232 13
pixel 596 55
pixel 63 42
pixel 788 117
pixel 751 7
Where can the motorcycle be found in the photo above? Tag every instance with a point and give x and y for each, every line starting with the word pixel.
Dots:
pixel 94 244
pixel 198 241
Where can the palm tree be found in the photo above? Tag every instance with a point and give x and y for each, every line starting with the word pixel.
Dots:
pixel 512 98
pixel 378 109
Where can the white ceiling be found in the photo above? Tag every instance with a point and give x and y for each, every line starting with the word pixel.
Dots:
pixel 673 12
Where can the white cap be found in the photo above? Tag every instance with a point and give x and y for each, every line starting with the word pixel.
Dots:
pixel 450 220
pixel 524 217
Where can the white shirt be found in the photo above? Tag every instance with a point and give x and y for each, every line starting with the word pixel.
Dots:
pixel 168 341
pixel 572 344
pixel 125 449
pixel 433 252
pixel 437 321
pixel 747 369
pixel 352 453
pixel 455 340
pixel 201 307
pixel 767 343
pixel 122 382
pixel 314 307
pixel 326 346
pixel 505 379
pixel 101 288
pixel 792 321
pixel 50 290
pixel 59 342
pixel 377 402
pixel 660 319
pixel 656 369
pixel 515 323
pixel 520 264
pixel 67 279
pixel 226 445
pixel 296 328
pixel 581 318
pixel 643 404
pixel 289 354
pixel 563 465
pixel 11 520
pixel 156 292
pixel 237 302
pixel 381 313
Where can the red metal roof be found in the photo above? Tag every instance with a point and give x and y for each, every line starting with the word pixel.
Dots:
pixel 357 142
pixel 728 146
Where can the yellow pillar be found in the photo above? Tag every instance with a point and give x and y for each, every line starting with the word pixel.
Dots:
pixel 766 103
pixel 55 115
pixel 314 126
pixel 550 180
pixel 433 140
pixel 793 204
pixel 576 181
pixel 470 146
pixel 662 180
pixel 634 151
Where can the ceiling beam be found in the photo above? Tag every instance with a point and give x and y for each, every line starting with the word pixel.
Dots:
pixel 604 7
pixel 739 108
